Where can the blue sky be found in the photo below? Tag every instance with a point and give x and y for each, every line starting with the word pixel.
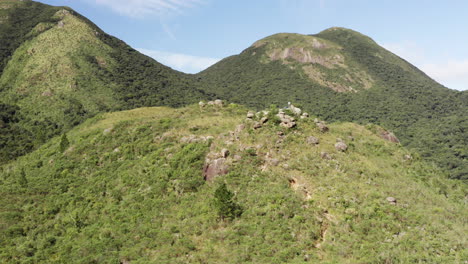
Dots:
pixel 190 35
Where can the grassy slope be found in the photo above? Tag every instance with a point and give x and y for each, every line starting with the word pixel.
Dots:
pixel 402 98
pixel 128 188
pixel 52 71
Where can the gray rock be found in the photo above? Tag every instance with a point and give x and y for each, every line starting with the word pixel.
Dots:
pixel 313 140
pixel 322 127
pixel 341 146
pixel 214 169
pixel 218 102
pixel 389 136
pixel 257 125
pixel 392 200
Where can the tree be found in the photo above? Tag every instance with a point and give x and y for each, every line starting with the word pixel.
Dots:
pixel 64 143
pixel 23 181
pixel 226 207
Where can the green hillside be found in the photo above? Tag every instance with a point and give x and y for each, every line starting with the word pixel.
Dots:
pixel 340 74
pixel 58 69
pixel 128 187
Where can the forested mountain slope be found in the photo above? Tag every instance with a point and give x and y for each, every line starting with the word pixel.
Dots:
pixel 58 69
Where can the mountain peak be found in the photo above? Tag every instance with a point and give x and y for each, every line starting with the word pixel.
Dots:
pixel 316 57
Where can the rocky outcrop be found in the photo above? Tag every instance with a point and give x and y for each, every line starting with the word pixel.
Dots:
pixel 286 120
pixel 214 169
pixel 389 136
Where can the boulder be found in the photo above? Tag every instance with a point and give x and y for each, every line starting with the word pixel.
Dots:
pixel 389 136
pixel 313 140
pixel 286 120
pixel 250 115
pixel 392 200
pixel 257 125
pixel 264 120
pixel 322 127
pixel 218 102
pixel 214 169
pixel 201 104
pixel 341 146
pixel 295 110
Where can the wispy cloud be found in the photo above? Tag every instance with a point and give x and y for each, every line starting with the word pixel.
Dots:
pixel 453 73
pixel 180 62
pixel 144 8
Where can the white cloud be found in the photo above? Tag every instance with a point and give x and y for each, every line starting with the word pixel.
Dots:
pixel 143 8
pixel 452 73
pixel 180 62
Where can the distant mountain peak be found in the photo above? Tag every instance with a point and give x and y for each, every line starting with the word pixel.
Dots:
pixel 318 58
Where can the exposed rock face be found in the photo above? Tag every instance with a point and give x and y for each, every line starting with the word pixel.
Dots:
pixel 313 140
pixel 389 136
pixel 341 146
pixel 215 168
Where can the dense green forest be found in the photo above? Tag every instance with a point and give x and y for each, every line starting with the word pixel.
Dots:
pixel 127 187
